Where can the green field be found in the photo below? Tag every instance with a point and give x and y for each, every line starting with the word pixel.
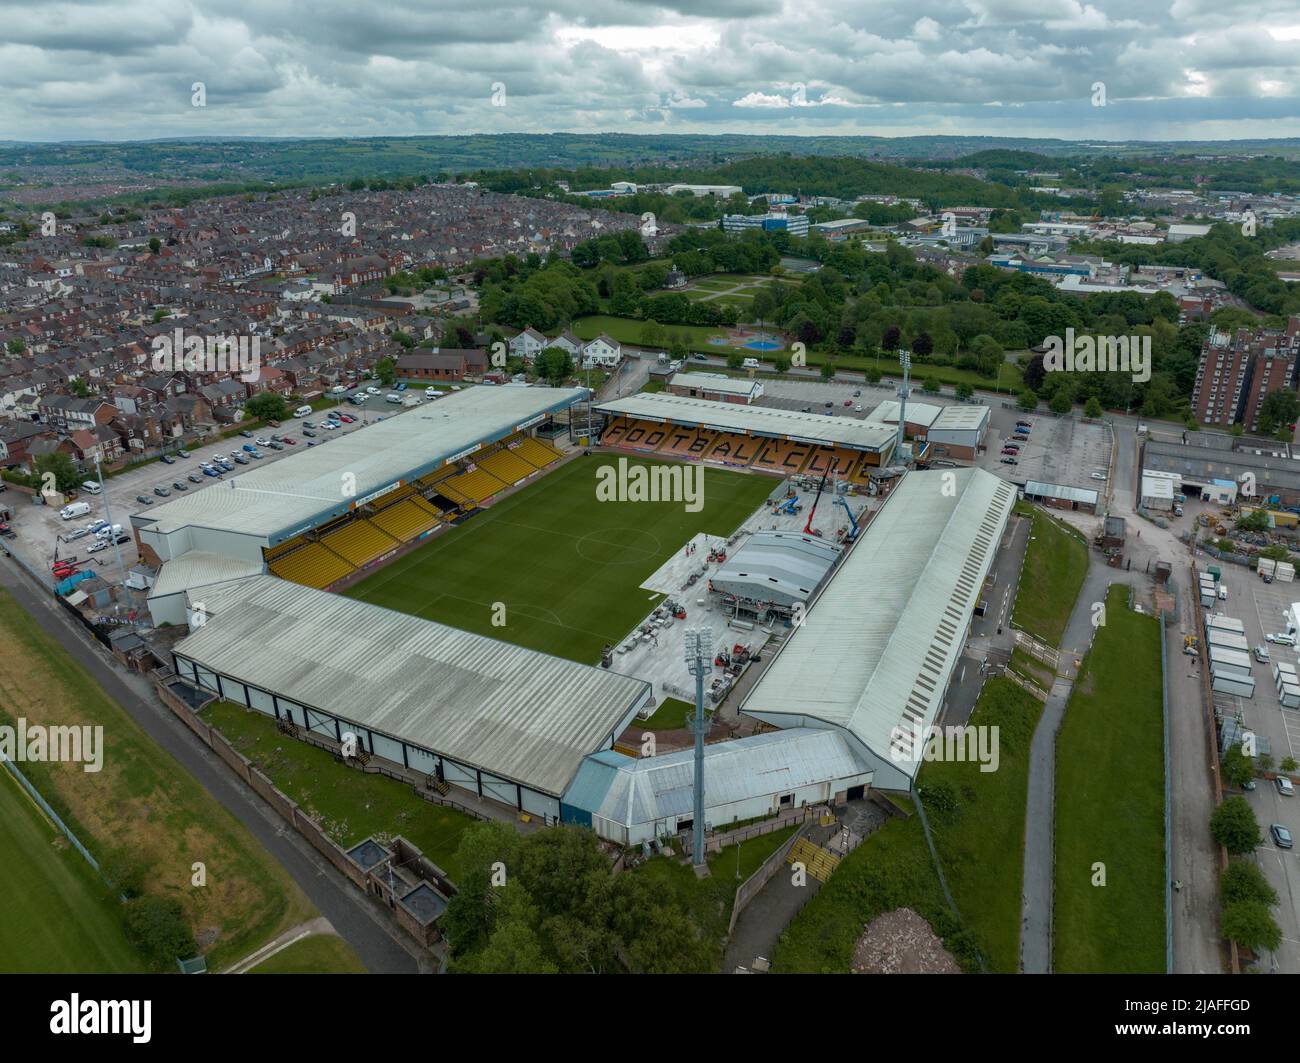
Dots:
pixel 1056 564
pixel 566 567
pixel 59 918
pixel 981 837
pixel 1110 804
pixel 318 954
pixel 349 805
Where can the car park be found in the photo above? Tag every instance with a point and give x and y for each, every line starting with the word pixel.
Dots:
pixel 1285 786
pixel 180 485
pixel 144 500
pixel 1281 836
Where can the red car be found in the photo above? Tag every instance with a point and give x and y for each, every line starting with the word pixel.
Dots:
pixel 290 440
pixel 1008 450
pixel 848 402
pixel 347 418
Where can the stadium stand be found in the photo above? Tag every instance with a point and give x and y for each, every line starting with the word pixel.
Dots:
pixel 359 542
pixel 781 455
pixel 536 452
pixel 644 436
pixel 407 520
pixel 679 442
pixel 476 485
pixel 615 432
pixel 734 451
pixel 505 466
pixel 311 565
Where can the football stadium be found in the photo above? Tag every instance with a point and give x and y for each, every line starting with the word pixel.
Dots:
pixel 452 587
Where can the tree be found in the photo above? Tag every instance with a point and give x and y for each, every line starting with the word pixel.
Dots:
pixel 266 406
pixel 155 245
pixel 405 339
pixel 157 928
pixel 781 364
pixel 932 385
pixel 386 371
pixel 554 365
pixel 66 477
pixel 827 371
pixel 1060 402
pixel 16 346
pixel 1238 769
pixel 922 345
pixel 1288 764
pixel 1244 881
pixel 1251 925
pixel 1278 410
pixel 735 360
pixel 1234 826
pixel 1027 400
pixel 872 375
pixel 1092 408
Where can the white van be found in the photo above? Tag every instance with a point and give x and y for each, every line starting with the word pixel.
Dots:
pixel 751 363
pixel 338 389
pixel 91 487
pixel 74 509
pixel 302 411
pixel 394 397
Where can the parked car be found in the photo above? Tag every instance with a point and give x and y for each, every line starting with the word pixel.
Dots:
pixel 194 478
pixel 225 466
pixel 180 485
pixel 1020 437
pixel 79 533
pixel 329 426
pixel 256 455
pixel 309 424
pixel 807 409
pixel 247 447
pixel 1285 786
pixel 1281 836
pixel 182 453
pixel 857 393
pixel 217 459
pixel 144 500
pixel 347 418
pixel 210 471
pixel 848 402
pixel 1010 461
pixel 97 545
pixel 1099 476
pixel 694 357
pixel 288 439
pixel 1282 638
pixel 241 459
pixel 400 386
pixel 275 446
pixel 857 408
pixel 246 434
pixel 1025 424
pixel 1009 452
pixel 1261 655
pixel 372 391
pixel 123 539
pixel 309 433
pixel 167 459
pixel 260 442
pixel 161 491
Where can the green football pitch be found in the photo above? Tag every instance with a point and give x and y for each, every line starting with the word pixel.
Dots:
pixel 59 917
pixel 566 567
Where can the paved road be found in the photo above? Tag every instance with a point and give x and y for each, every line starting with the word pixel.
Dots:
pixel 379 947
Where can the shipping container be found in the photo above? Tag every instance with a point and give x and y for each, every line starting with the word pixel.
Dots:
pixel 1267 566
pixel 1226 623
pixel 1222 655
pixel 1229 640
pixel 1242 688
pixel 1285 572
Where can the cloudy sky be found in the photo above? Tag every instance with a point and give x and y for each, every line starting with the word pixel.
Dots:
pixel 1169 69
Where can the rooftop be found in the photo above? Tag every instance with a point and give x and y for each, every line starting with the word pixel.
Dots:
pixel 284 498
pixel 522 715
pixel 754 420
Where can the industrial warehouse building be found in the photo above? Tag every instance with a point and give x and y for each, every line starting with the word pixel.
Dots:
pixel 1211 465
pixel 772 571
pixel 920 416
pixel 716 387
pixel 877 648
pixel 1061 496
pixel 501 721
pixel 958 432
